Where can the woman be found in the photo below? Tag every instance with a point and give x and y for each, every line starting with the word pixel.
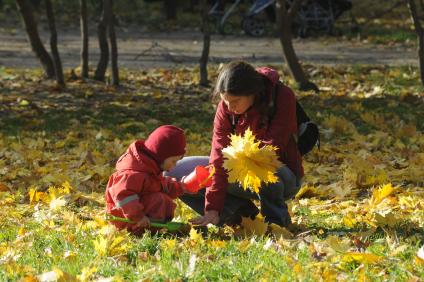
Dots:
pixel 245 95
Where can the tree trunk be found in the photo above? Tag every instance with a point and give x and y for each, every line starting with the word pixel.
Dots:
pixel 53 44
pixel 170 7
pixel 84 38
pixel 206 45
pixel 104 48
pixel 420 35
pixel 113 47
pixel 25 8
pixel 284 22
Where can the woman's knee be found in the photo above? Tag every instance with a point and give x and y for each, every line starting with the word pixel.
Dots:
pixel 290 182
pixel 187 165
pixel 285 188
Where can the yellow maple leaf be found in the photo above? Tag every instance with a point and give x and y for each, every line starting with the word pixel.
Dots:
pixel 249 164
pixel 380 194
pixel 307 191
pixel 420 255
pixel 57 203
pixel 35 196
pixel 119 245
pixel 361 258
pixel 254 226
pixel 100 245
pixel 329 274
pixel 298 269
pixel 387 217
pixel 113 244
pixel 349 220
pixel 338 245
pixel 195 236
pixel 280 232
pixel 21 231
pixel 66 188
pixel 243 246
pixel 169 244
pixel 87 273
pixel 30 278
pixel 217 244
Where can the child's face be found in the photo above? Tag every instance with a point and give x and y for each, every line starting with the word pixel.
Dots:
pixel 169 163
pixel 237 104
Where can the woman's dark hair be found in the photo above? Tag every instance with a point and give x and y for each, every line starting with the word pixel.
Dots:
pixel 239 78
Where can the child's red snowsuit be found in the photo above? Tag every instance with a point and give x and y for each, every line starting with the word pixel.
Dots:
pixel 137 188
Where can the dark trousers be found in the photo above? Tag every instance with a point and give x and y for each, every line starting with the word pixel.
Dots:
pixel 238 201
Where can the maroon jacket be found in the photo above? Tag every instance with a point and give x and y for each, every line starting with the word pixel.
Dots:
pixel 279 133
pixel 137 188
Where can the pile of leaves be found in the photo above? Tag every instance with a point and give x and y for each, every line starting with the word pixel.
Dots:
pixel 358 215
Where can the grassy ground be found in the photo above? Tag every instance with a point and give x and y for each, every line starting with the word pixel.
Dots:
pixel 360 207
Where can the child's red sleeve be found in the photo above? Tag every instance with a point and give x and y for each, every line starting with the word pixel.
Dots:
pixel 125 194
pixel 172 187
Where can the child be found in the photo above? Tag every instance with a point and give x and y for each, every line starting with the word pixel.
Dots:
pixel 137 190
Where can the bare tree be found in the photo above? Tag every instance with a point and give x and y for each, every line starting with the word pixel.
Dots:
pixel 53 44
pixel 206 44
pixel 106 33
pixel 420 33
pixel 113 48
pixel 284 21
pixel 84 38
pixel 104 48
pixel 26 10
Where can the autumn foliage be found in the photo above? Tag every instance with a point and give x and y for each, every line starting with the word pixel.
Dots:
pixel 358 216
pixel 248 163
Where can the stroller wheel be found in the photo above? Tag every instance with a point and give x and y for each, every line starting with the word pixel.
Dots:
pixel 254 26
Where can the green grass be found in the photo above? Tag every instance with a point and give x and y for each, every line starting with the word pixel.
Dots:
pixel 379 34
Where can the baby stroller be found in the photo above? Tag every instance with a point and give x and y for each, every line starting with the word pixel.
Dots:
pixel 221 14
pixel 314 15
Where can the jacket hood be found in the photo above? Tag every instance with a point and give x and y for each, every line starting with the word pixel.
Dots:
pixel 164 142
pixel 136 158
pixel 271 74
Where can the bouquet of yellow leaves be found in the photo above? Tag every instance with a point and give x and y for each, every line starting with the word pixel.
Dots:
pixel 249 164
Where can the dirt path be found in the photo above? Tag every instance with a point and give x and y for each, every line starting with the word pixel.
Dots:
pixel 144 50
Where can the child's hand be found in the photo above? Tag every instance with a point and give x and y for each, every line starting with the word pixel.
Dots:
pixel 185 190
pixel 143 223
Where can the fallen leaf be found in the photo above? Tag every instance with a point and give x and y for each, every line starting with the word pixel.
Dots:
pixel 255 226
pixel 4 188
pixel 366 258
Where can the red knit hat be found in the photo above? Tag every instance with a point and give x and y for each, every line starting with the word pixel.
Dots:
pixel 166 141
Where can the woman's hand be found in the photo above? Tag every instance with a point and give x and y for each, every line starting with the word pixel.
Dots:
pixel 143 223
pixel 210 216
